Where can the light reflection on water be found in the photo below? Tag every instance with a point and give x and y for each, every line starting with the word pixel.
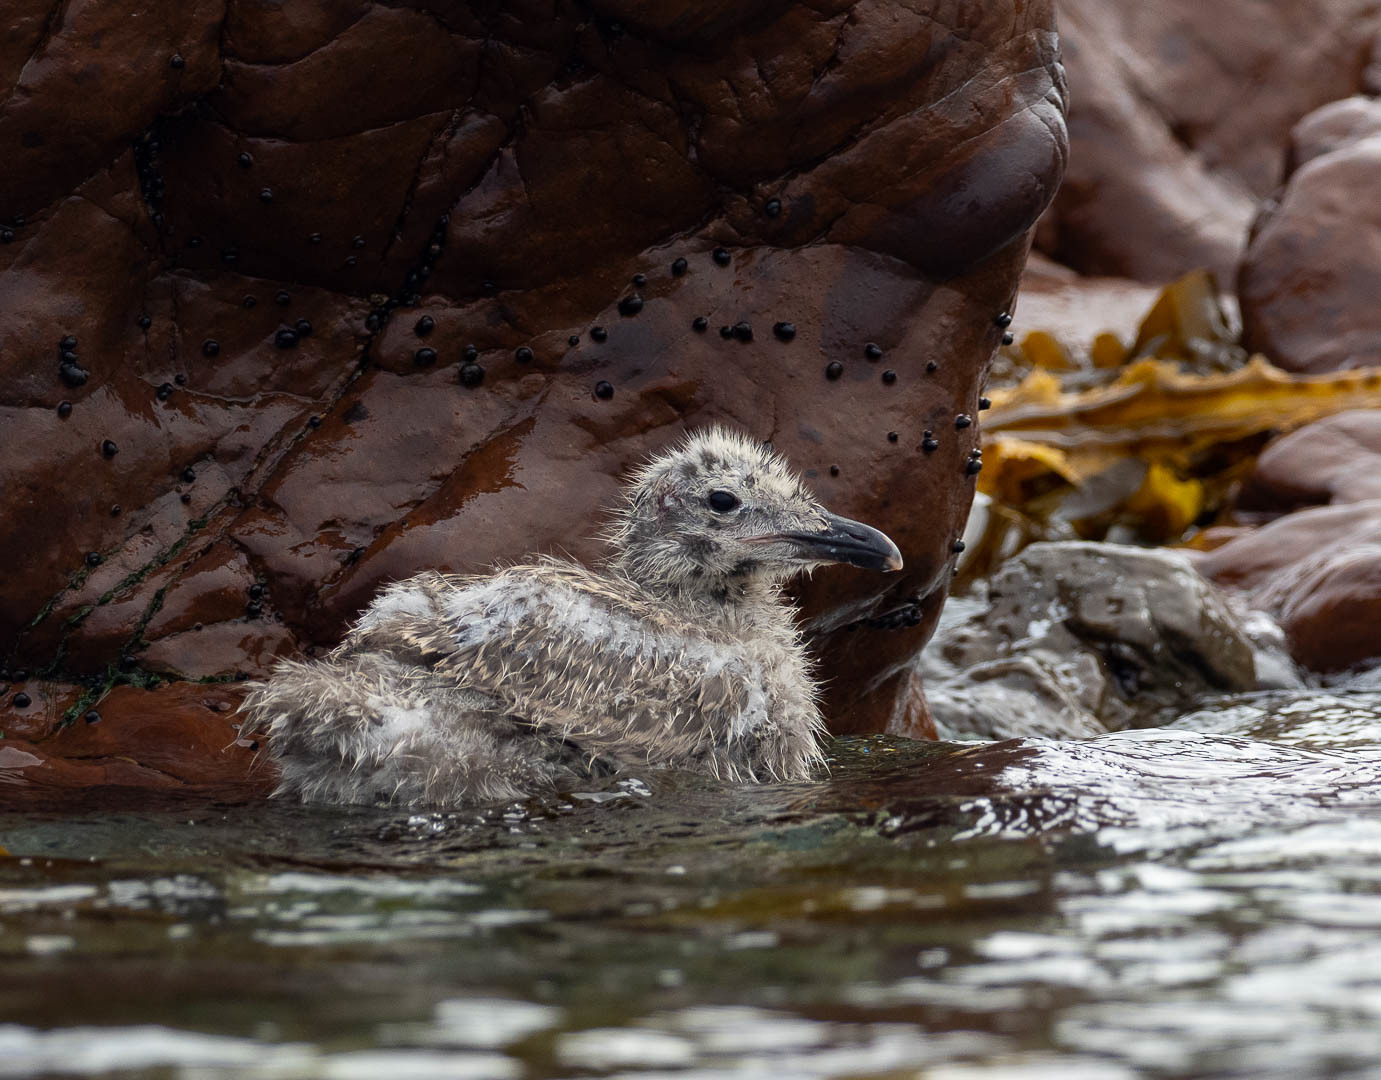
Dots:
pixel 1196 900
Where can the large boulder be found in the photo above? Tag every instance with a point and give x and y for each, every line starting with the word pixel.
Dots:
pixel 352 295
pixel 1309 280
pixel 1169 156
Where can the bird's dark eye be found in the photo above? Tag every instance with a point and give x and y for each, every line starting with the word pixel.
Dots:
pixel 721 502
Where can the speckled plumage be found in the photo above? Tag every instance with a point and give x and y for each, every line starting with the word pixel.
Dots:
pixel 457 690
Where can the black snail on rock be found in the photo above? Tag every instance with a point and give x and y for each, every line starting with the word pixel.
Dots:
pixel 678 651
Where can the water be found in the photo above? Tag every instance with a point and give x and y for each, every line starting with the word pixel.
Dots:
pixel 1200 900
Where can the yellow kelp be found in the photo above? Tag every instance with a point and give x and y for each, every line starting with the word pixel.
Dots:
pixel 1147 449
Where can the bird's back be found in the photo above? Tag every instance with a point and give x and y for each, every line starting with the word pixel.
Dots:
pixel 456 690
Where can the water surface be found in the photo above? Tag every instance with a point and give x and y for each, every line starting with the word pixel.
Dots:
pixel 1198 900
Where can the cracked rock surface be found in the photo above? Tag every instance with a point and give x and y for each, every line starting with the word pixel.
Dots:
pixel 300 299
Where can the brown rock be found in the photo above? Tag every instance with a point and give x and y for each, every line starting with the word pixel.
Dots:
pixel 1315 572
pixel 1168 155
pixel 872 172
pixel 179 737
pixel 1335 460
pixel 1333 127
pixel 1309 281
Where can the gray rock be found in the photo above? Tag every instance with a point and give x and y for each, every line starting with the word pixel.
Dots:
pixel 1073 639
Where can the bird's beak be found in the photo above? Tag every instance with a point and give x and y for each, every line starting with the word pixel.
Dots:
pixel 846 541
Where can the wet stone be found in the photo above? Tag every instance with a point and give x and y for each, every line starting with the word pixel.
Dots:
pixel 424 357
pixel 424 326
pixel 630 305
pixel 679 267
pixel 834 369
pixel 721 256
pixel 889 376
pixel 784 331
pixel 604 390
pixel 471 375
pixel 522 354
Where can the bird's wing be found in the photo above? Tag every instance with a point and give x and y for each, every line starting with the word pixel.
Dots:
pixel 585 657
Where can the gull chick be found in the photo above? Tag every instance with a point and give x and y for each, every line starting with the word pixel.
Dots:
pixel 679 651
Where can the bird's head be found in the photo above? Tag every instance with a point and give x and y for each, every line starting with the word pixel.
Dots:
pixel 721 509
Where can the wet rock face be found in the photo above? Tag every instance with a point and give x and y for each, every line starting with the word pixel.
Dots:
pixel 246 251
pixel 1309 280
pixel 1073 639
pixel 1169 156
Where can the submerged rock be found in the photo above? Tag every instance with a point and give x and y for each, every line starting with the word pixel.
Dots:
pixel 1073 639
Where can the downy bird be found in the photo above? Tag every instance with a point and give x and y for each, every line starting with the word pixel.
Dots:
pixel 678 651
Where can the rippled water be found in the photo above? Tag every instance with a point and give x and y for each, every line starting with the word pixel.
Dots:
pixel 1198 900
